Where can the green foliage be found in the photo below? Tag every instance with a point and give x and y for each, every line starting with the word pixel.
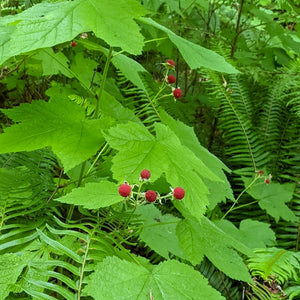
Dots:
pixel 79 119
pixel 282 264
pixel 169 279
pixel 60 124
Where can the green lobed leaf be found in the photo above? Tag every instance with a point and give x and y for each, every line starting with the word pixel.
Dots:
pixel 139 149
pixel 252 233
pixel 58 123
pixel 119 279
pixel 159 231
pixel 48 24
pixel 204 238
pixel 93 195
pixel 218 191
pixel 195 55
pixel 272 197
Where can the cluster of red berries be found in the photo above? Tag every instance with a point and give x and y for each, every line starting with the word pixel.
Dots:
pixel 267 179
pixel 177 93
pixel 125 190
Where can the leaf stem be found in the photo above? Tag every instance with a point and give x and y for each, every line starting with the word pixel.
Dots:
pixel 104 75
pixel 240 195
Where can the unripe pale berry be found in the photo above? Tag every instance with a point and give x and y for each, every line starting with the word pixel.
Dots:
pixel 124 190
pixel 178 193
pixel 171 62
pixel 171 79
pixel 150 196
pixel 177 93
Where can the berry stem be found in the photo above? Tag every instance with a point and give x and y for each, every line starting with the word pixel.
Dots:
pixel 104 75
pixel 96 159
pixel 239 196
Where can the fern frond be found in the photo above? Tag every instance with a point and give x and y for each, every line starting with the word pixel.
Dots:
pixel 282 264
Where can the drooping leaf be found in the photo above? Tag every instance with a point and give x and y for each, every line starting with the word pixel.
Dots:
pixel 58 123
pixel 272 197
pixel 204 238
pixel 195 55
pixel 252 233
pixel 159 231
pixel 48 24
pixel 93 195
pixel 138 150
pixel 118 279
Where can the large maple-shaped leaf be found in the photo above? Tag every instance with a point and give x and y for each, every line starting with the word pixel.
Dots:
pixel 47 24
pixel 119 279
pixel 272 197
pixel 139 149
pixel 204 238
pixel 58 123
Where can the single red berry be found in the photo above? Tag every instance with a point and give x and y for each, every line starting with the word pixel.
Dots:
pixel 177 93
pixel 150 196
pixel 261 172
pixel 73 44
pixel 171 62
pixel 267 181
pixel 178 193
pixel 145 174
pixel 171 79
pixel 124 190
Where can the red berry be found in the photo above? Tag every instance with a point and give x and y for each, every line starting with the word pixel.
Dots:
pixel 145 174
pixel 124 190
pixel 267 181
pixel 73 44
pixel 261 172
pixel 178 193
pixel 177 93
pixel 171 79
pixel 171 62
pixel 150 196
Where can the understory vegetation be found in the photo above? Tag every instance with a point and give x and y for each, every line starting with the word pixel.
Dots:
pixel 149 149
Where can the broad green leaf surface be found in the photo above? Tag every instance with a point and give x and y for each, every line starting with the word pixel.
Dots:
pixel 139 149
pixel 204 238
pixel 159 231
pixel 195 55
pixel 218 191
pixel 11 266
pixel 93 195
pixel 272 197
pixel 119 279
pixel 252 233
pixel 48 24
pixel 58 123
pixel 53 63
